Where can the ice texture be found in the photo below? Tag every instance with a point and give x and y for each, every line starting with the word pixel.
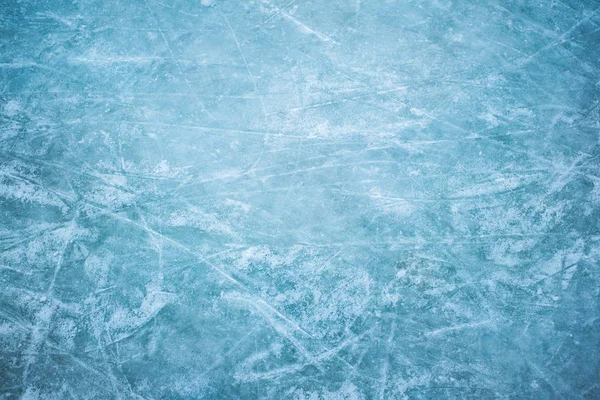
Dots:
pixel 289 199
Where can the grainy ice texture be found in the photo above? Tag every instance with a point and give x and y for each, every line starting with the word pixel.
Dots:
pixel 289 199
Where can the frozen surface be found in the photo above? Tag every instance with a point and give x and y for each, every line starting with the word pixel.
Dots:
pixel 299 199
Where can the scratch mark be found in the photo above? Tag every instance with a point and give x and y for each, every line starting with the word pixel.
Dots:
pixel 237 43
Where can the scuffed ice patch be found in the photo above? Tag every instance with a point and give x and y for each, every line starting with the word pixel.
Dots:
pixel 299 199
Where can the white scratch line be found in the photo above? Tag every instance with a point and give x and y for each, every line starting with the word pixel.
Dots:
pixel 262 103
pixel 457 328
pixel 301 25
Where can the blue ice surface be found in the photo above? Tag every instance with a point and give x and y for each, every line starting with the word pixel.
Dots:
pixel 289 199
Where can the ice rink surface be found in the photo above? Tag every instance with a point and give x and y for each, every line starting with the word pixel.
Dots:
pixel 299 199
